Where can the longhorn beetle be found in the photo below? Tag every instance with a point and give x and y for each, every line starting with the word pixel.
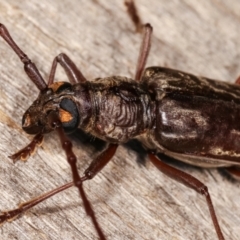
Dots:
pixel 189 118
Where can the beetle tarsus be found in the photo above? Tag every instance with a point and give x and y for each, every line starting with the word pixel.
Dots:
pixel 29 150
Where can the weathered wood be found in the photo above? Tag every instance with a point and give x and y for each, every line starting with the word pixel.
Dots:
pixel 131 202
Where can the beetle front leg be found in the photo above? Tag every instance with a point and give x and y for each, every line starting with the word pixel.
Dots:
pixel 8 216
pixel 94 168
pixel 190 182
pixel 96 165
pixel 73 73
pixel 29 150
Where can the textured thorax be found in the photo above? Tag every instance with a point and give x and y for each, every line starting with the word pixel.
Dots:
pixel 120 109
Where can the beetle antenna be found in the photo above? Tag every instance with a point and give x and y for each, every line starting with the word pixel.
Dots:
pixel 29 67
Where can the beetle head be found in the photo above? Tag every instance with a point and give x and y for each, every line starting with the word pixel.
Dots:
pixel 58 98
pixel 35 119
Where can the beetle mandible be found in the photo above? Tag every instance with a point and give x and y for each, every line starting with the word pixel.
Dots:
pixel 169 111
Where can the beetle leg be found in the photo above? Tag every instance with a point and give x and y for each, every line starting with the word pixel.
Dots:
pixel 133 13
pixel 73 73
pixel 96 165
pixel 29 150
pixel 237 80
pixel 100 161
pixel 234 172
pixel 23 207
pixel 144 51
pixel 190 182
pixel 72 160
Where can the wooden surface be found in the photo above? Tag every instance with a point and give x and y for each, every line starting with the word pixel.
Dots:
pixel 131 201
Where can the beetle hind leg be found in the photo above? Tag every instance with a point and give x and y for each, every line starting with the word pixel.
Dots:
pixel 234 172
pixel 190 182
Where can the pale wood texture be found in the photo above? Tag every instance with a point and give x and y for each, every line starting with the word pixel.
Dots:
pixel 131 202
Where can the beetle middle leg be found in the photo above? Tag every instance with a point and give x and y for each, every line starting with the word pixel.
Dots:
pixel 190 182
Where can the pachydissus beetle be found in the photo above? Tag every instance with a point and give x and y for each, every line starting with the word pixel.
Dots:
pixel 189 118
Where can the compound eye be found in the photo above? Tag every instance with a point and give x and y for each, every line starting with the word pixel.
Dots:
pixel 69 116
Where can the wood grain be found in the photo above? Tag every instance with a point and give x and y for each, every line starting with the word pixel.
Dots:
pixel 131 201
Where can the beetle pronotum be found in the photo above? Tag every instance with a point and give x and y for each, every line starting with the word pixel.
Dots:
pixel 124 93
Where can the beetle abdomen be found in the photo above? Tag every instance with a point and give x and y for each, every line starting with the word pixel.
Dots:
pixel 198 126
pixel 195 120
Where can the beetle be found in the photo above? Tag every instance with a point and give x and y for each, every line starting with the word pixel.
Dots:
pixel 58 108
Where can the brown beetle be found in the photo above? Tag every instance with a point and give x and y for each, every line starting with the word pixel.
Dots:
pixel 180 91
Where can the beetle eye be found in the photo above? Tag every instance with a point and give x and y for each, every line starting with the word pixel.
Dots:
pixel 68 114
